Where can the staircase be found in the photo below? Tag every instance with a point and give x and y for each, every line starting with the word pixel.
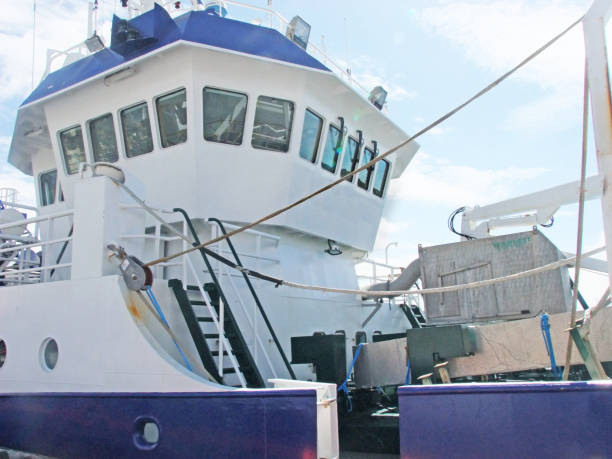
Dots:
pixel 414 315
pixel 216 335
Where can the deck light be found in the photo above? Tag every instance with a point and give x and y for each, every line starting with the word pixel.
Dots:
pixel 377 97
pixel 334 248
pixel 94 43
pixel 298 32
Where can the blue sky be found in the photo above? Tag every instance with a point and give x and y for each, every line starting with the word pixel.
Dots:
pixel 523 136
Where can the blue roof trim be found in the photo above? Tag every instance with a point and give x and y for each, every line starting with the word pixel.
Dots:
pixel 158 29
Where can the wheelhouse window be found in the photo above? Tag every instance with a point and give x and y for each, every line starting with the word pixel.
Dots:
pixel 48 185
pixel 172 116
pixel 272 126
pixel 136 128
pixel 380 177
pixel 351 158
pixel 333 148
pixel 365 175
pixel 73 149
pixel 103 139
pixel 311 134
pixel 224 113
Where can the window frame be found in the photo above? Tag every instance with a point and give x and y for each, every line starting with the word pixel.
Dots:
pixel 289 131
pixel 40 189
pixel 315 159
pixel 61 147
pixel 122 133
pixel 344 137
pixel 90 137
pixel 244 125
pixel 345 151
pixel 368 170
pixel 155 100
pixel 382 192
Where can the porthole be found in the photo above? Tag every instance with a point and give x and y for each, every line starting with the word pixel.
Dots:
pixel 146 433
pixel 2 352
pixel 49 354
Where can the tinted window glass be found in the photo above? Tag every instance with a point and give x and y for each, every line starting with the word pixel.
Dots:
pixel 103 140
pixel 350 159
pixel 311 133
pixel 333 148
pixel 172 115
pixel 272 126
pixel 72 149
pixel 136 128
pixel 47 184
pixel 380 177
pixel 366 175
pixel 224 113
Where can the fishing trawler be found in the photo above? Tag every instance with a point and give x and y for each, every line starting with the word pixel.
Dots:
pixel 147 308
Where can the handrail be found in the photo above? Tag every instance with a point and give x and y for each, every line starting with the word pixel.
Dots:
pixel 256 298
pixel 213 276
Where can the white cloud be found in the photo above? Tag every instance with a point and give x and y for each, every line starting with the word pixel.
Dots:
pixel 369 73
pixel 497 34
pixel 56 28
pixel 440 181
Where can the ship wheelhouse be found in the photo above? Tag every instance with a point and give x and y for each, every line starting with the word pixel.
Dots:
pixel 209 113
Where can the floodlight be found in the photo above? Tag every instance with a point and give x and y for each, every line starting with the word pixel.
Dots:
pixel 377 97
pixel 298 32
pixel 94 43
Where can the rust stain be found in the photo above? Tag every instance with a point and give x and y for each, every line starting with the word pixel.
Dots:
pixel 134 310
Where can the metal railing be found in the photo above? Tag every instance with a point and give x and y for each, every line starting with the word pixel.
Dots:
pixel 20 262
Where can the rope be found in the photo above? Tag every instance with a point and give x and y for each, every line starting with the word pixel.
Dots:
pixel 343 387
pixel 450 288
pixel 545 326
pixel 161 315
pixel 376 159
pixel 366 293
pixel 174 337
pixel 585 125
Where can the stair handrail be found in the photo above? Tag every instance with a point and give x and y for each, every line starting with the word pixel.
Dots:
pixel 255 298
pixel 213 277
pixel 218 324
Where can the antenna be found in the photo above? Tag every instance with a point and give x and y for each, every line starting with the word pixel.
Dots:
pixel 33 38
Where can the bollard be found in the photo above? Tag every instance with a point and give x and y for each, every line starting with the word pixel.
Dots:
pixel 442 370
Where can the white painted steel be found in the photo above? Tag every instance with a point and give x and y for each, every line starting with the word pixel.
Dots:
pixel 545 203
pixel 601 109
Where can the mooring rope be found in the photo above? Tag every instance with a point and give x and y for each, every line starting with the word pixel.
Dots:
pixel 375 160
pixel 585 125
pixel 367 293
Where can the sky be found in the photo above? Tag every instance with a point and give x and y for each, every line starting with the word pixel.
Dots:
pixel 431 55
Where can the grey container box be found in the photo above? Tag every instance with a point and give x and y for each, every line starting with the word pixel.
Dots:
pixel 475 260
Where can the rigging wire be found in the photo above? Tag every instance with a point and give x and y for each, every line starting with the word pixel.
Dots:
pixel 376 159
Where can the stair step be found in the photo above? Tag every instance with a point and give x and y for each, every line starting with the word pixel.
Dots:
pixel 193 287
pixel 211 335
pixel 227 371
pixel 197 303
pixel 205 319
pixel 216 353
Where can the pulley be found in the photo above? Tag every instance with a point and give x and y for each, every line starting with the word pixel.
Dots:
pixel 135 274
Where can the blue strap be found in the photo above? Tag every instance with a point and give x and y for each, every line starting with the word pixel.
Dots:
pixel 343 386
pixel 549 348
pixel 163 319
pixel 408 375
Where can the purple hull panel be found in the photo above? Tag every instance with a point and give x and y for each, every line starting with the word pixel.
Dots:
pixel 556 420
pixel 222 424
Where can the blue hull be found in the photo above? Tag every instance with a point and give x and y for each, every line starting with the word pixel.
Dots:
pixel 556 420
pixel 222 424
